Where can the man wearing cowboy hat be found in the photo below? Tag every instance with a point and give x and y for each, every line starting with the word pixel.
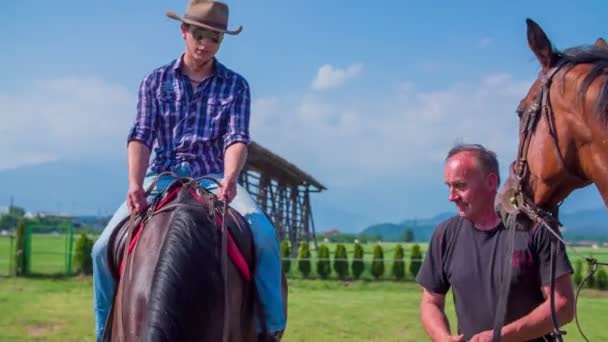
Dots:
pixel 195 112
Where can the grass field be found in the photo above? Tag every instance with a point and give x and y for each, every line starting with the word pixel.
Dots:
pixel 61 310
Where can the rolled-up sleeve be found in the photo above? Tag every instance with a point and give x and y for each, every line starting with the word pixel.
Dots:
pixel 238 121
pixel 144 127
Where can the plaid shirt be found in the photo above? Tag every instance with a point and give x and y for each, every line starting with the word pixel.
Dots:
pixel 192 126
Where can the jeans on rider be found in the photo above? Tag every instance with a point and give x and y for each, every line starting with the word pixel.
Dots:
pixel 268 270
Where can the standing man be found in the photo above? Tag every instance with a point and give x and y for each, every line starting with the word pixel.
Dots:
pixel 467 253
pixel 194 112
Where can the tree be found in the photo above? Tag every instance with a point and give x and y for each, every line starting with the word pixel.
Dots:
pixel 83 261
pixel 285 256
pixel 602 279
pixel 407 235
pixel 578 272
pixel 323 264
pixel 378 262
pixel 398 269
pixel 21 255
pixel 17 212
pixel 304 259
pixel 358 266
pixel 341 262
pixel 416 260
pixel 591 279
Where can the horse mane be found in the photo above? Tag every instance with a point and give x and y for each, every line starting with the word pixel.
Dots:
pixel 598 56
pixel 187 285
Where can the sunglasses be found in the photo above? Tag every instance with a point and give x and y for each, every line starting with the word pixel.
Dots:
pixel 201 33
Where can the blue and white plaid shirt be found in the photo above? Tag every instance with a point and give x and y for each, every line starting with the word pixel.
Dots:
pixel 191 126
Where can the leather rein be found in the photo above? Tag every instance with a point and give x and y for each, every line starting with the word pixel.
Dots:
pixel 523 203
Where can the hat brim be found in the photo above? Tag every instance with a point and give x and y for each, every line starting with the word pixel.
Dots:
pixel 174 16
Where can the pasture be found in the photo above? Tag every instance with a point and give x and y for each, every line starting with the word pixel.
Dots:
pixel 57 308
pixel 61 310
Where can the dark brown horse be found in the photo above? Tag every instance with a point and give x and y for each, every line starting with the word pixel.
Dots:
pixel 176 281
pixel 563 142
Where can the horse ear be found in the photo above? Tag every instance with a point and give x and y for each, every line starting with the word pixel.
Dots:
pixel 540 44
pixel 601 43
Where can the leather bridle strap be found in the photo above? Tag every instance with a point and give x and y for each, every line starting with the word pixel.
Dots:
pixel 531 118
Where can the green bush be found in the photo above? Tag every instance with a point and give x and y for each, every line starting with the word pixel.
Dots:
pixel 591 280
pixel 416 260
pixel 304 259
pixel 21 255
pixel 602 279
pixel 398 269
pixel 323 264
pixel 285 256
pixel 341 262
pixel 358 266
pixel 83 262
pixel 378 262
pixel 578 272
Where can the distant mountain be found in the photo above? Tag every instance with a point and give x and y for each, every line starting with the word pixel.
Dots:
pixel 589 224
pixel 75 187
pixel 422 228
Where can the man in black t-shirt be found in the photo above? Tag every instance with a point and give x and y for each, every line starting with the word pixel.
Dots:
pixel 467 254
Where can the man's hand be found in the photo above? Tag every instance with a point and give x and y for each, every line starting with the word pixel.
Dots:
pixel 227 190
pixel 484 336
pixel 136 199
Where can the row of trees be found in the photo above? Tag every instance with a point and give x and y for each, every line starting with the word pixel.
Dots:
pixel 406 236
pixel 597 280
pixel 353 270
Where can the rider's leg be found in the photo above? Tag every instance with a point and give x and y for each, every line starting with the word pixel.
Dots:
pixel 268 270
pixel 103 282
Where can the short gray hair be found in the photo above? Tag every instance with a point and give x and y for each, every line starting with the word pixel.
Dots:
pixel 487 158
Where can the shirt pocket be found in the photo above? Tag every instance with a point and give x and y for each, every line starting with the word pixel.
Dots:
pixel 218 113
pixel 169 103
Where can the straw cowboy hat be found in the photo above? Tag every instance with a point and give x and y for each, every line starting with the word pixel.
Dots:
pixel 211 15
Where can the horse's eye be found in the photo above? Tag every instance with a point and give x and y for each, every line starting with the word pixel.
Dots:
pixel 519 112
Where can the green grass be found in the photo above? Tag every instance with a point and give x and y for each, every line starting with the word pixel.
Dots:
pixel 61 310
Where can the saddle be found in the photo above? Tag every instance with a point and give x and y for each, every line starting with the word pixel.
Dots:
pixel 239 236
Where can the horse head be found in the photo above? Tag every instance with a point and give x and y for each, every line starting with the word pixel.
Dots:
pixel 563 136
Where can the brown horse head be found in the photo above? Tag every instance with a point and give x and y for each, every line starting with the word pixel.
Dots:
pixel 563 142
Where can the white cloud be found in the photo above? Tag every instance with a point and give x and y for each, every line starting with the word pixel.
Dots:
pixel 64 119
pixel 405 132
pixel 329 77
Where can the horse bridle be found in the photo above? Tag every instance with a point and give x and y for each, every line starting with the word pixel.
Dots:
pixel 523 203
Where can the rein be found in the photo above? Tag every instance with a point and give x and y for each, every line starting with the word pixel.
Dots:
pixel 522 203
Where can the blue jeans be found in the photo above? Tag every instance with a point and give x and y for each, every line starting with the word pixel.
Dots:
pixel 268 271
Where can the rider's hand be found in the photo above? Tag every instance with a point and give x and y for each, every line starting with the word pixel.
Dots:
pixel 227 190
pixel 136 199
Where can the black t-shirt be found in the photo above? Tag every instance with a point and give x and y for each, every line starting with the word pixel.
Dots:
pixel 471 262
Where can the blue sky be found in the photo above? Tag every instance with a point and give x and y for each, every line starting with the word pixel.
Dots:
pixel 367 96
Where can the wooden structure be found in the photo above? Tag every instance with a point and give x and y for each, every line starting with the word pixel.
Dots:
pixel 282 191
